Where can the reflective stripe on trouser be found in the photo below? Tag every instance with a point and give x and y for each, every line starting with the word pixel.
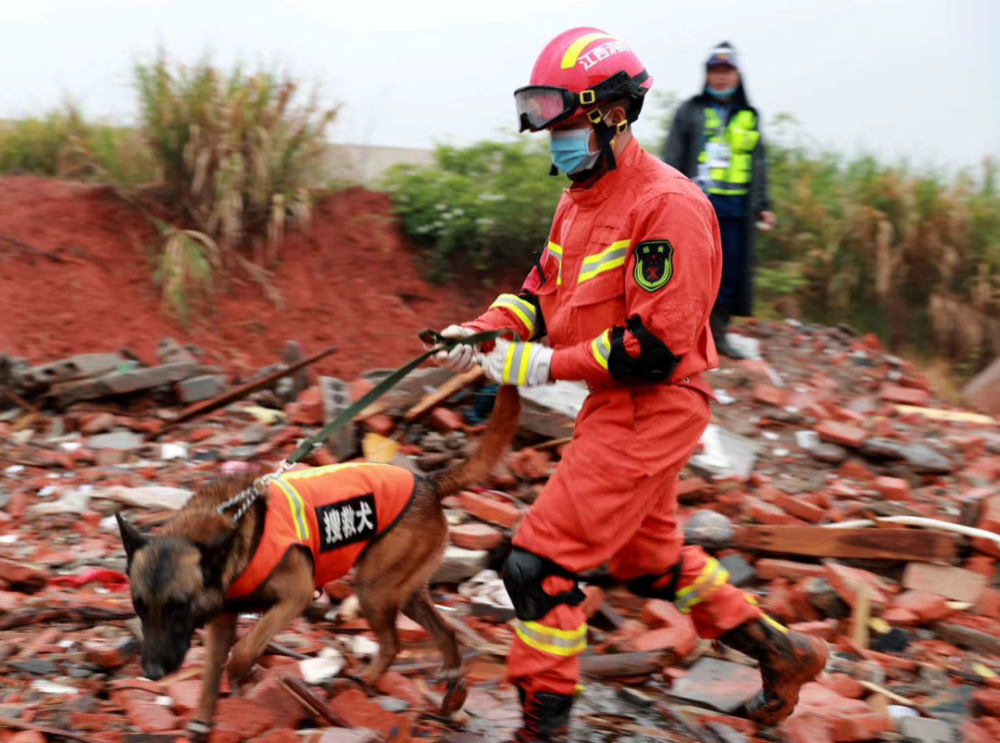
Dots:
pixel 545 655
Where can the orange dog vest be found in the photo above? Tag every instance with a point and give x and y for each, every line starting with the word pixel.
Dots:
pixel 335 512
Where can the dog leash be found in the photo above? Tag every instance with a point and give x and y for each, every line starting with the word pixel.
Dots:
pixel 434 343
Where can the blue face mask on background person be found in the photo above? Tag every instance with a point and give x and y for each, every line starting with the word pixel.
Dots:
pixel 570 150
pixel 722 94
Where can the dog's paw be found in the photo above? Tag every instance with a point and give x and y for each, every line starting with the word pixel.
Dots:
pixel 198 732
pixel 454 697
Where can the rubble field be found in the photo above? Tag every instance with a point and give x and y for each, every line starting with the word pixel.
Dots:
pixel 831 484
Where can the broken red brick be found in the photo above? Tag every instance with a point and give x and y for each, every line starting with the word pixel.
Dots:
pixel 862 725
pixel 848 581
pixel 893 488
pixel 778 601
pixel 899 617
pixel 839 433
pixel 690 488
pixel 800 508
pixel 360 711
pixel 769 569
pixel 929 607
pixel 765 513
pixel 769 395
pixel 21 577
pixel 186 695
pixel 307 410
pixel 475 536
pixel 807 727
pixel 491 509
pixel 338 590
pixel 444 419
pixel 410 631
pixel 824 630
pixel 94 423
pixel 271 695
pixel 283 735
pixel 105 654
pixel 680 640
pixel 988 700
pixel 988 604
pixel 593 602
pixel 27 736
pixel 242 716
pixel 397 685
pixel 530 464
pixel 904 395
pixel 150 717
pixel 844 685
pixel 381 424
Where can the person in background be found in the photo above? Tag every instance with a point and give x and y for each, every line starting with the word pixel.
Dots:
pixel 716 141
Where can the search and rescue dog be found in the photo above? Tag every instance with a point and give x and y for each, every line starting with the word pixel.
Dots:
pixel 204 567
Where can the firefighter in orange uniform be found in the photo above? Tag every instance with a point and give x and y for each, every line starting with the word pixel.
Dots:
pixel 623 292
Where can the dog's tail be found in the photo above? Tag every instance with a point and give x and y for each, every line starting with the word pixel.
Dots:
pixel 496 439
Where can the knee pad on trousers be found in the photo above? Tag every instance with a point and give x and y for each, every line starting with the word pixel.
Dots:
pixel 523 576
pixel 663 586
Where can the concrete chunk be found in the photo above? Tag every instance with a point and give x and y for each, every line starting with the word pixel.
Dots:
pixel 196 389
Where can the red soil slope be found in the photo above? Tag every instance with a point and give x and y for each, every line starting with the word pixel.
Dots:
pixel 352 283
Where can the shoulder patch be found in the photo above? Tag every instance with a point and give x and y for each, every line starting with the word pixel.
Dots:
pixel 654 264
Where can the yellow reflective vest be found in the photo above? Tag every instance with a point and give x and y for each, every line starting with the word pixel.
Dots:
pixel 740 137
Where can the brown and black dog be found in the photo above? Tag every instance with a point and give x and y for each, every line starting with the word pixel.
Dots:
pixel 180 577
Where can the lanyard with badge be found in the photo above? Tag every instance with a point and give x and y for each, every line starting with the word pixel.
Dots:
pixel 718 153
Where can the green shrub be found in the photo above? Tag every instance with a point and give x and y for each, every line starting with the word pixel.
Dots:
pixel 487 206
pixel 62 144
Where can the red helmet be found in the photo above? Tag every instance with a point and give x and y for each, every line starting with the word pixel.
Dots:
pixel 576 72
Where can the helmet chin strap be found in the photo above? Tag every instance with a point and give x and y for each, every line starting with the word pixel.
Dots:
pixel 605 143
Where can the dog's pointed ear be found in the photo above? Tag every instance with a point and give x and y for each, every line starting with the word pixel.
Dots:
pixel 214 557
pixel 132 540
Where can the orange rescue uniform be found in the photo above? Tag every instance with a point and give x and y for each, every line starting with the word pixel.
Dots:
pixel 334 512
pixel 643 241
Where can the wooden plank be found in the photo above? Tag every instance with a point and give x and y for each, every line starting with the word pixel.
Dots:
pixel 967 637
pixel 622 664
pixel 442 393
pixel 871 544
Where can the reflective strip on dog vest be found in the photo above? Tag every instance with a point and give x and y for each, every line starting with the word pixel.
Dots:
pixel 335 512
pixel 564 643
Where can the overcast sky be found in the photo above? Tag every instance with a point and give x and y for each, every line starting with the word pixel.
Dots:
pixel 902 78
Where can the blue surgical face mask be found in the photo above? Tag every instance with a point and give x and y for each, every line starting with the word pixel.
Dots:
pixel 722 94
pixel 570 150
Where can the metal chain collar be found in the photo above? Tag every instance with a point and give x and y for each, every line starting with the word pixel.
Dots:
pixel 249 496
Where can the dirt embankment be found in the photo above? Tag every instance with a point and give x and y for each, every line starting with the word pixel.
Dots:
pixel 351 282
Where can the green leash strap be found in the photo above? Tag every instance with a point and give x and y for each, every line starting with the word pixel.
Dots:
pixel 428 336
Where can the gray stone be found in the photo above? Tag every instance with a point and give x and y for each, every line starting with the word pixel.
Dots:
pixel 76 367
pixel 727 734
pixel 121 383
pixel 196 389
pixel 741 572
pixel 460 564
pixel 710 530
pixel 926 730
pixel 336 399
pixel 117 440
pixel 300 379
pixel 829 453
pixel 725 454
pixel 717 684
pixel 921 458
pixel 169 351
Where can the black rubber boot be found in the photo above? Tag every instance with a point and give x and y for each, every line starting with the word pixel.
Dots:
pixel 787 661
pixel 719 322
pixel 546 717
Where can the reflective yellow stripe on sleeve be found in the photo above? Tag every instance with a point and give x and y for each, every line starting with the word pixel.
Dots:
pixel 515 367
pixel 564 643
pixel 601 348
pixel 712 578
pixel 523 310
